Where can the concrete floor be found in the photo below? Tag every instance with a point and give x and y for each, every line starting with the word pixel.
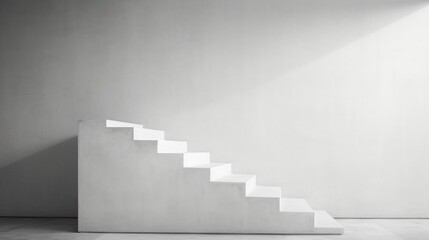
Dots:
pixel 65 228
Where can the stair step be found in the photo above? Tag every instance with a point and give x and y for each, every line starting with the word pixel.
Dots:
pixel 217 170
pixel 324 223
pixel 265 192
pixel 118 124
pixel 236 178
pixel 195 158
pixel 248 180
pixel 209 165
pixel 148 134
pixel 172 146
pixel 294 205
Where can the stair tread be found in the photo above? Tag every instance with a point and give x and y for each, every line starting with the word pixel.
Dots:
pixel 235 178
pixel 324 223
pixel 209 165
pixel 294 205
pixel 265 191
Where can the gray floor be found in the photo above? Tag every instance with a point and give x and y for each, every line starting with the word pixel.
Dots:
pixel 65 228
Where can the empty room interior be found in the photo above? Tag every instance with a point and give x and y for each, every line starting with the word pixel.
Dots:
pixel 214 119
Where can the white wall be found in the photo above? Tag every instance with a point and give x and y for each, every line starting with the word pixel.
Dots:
pixel 326 98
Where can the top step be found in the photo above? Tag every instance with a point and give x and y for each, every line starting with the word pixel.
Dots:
pixel 118 124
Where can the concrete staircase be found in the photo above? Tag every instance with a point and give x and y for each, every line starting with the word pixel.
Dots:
pixel 133 180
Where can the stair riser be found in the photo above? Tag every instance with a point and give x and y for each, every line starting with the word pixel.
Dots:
pixel 146 134
pixel 218 172
pixel 192 159
pixel 172 147
pixel 250 185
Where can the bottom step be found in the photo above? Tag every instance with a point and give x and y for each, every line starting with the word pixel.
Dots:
pixel 325 224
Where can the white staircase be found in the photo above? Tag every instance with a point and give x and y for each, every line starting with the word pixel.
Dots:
pixel 133 180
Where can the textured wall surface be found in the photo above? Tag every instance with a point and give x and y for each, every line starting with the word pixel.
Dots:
pixel 327 99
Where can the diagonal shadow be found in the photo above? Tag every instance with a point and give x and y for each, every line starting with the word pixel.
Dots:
pixel 244 45
pixel 42 184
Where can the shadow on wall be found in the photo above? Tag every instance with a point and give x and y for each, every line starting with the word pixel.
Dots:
pixel 43 184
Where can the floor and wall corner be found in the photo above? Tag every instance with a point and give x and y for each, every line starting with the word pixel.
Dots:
pixel 326 99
